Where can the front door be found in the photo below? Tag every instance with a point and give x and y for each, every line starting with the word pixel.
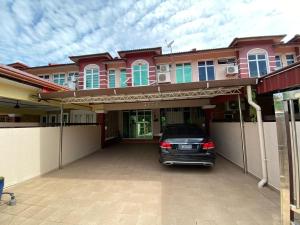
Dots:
pixel 137 124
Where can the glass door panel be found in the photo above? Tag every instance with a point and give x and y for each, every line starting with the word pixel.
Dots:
pixel 139 124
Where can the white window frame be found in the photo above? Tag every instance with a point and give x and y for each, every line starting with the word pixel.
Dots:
pixel 88 67
pixel 59 73
pixel 286 60
pixel 44 75
pixel 139 62
pixel 182 63
pixel 280 60
pixel 72 72
pixel 205 66
pixel 258 51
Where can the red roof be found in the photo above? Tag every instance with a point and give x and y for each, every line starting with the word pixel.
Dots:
pixel 30 79
pixel 274 38
pixel 155 50
pixel 282 79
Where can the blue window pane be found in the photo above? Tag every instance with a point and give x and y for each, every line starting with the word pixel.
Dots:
pixel 136 78
pixel 209 62
pixel 187 72
pixel 290 59
pixel 262 67
pixel 123 78
pixel 111 78
pixel 91 78
pixel 278 61
pixel 253 69
pixel 278 64
pixel 210 73
pixel 261 56
pixel 144 78
pixel 144 67
pixel 251 57
pixel 202 73
pixel 201 63
pixel 136 67
pixel 179 73
pixel 111 81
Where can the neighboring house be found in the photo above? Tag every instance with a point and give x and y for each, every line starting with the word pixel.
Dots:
pixel 244 58
pixel 19 95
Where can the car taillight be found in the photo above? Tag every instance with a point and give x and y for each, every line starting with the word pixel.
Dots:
pixel 165 145
pixel 208 145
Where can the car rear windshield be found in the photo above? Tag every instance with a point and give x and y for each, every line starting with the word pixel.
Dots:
pixel 183 131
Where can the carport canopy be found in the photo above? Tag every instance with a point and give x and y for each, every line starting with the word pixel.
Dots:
pixel 165 92
pixel 194 90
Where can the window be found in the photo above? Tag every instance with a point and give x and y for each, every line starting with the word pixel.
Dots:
pixel 59 78
pixel 206 70
pixel 44 119
pixel 91 77
pixel 289 59
pixel 46 77
pixel 65 118
pixel 140 74
pixel 123 78
pixel 72 76
pixel 227 61
pixel 278 62
pixel 112 78
pixel 52 118
pixel 257 64
pixel 183 73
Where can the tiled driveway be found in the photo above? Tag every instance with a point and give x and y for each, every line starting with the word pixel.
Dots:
pixel 124 184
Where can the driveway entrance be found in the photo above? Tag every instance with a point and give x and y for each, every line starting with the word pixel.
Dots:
pixel 125 184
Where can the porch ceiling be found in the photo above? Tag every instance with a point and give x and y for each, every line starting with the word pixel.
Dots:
pixel 194 90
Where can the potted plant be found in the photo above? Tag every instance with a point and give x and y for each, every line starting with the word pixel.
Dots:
pixel 1 186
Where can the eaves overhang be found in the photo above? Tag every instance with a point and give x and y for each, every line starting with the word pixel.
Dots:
pixel 105 56
pixel 29 79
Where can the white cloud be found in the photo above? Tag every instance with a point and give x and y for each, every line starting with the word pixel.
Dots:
pixel 37 32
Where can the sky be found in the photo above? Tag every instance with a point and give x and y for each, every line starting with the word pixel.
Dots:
pixel 38 32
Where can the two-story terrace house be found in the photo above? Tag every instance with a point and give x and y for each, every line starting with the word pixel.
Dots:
pixel 141 69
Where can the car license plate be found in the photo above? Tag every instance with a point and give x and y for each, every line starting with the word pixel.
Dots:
pixel 186 147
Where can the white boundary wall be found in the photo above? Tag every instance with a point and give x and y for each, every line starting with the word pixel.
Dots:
pixel 228 141
pixel 30 152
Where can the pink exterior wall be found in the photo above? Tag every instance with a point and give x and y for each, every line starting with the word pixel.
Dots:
pixel 243 60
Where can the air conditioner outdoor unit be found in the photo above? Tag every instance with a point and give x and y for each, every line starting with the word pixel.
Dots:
pixel 232 70
pixel 164 68
pixel 163 77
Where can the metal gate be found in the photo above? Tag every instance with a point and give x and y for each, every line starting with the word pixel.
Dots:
pixel 284 104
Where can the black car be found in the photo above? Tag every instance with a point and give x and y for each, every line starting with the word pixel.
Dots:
pixel 186 144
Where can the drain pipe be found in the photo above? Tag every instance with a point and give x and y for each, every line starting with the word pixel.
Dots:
pixel 264 180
